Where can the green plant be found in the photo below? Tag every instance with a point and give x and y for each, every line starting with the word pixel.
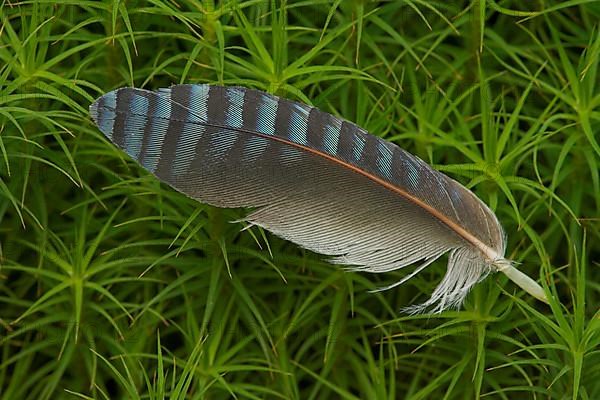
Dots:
pixel 114 286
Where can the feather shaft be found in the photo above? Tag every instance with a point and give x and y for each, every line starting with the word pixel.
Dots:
pixel 522 280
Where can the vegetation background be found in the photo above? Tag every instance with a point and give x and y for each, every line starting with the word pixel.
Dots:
pixel 113 286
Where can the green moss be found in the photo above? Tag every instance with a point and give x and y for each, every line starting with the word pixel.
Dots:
pixel 115 286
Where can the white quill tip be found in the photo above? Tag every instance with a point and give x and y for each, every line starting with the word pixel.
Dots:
pixel 522 280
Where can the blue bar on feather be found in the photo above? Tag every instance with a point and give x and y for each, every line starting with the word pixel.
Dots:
pixel 331 136
pixel 412 172
pixel 106 114
pixel 199 103
pixel 160 124
pixel 135 124
pixel 254 148
pixel 359 145
pixel 222 141
pixel 236 107
pixel 186 147
pixel 384 159
pixel 298 128
pixel 138 105
pixel 454 193
pixel 267 111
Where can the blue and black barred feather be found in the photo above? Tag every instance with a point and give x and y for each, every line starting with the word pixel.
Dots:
pixel 315 179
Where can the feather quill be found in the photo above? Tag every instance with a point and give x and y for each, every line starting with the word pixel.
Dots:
pixel 314 179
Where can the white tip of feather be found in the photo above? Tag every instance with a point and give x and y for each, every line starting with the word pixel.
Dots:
pixel 465 269
pixel 522 280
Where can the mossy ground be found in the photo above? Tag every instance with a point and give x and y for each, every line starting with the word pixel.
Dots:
pixel 112 285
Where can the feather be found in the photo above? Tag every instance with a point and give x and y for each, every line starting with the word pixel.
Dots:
pixel 311 178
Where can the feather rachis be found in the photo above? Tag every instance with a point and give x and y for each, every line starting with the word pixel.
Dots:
pixel 211 131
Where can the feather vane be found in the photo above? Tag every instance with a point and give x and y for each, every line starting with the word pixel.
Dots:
pixel 312 178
